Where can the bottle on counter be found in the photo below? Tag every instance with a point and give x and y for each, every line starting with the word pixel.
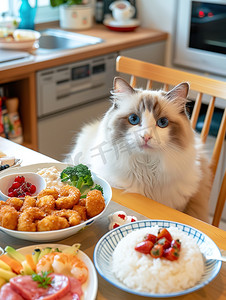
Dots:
pixel 2 131
pixel 27 15
pixel 5 118
pixel 99 11
pixel 15 127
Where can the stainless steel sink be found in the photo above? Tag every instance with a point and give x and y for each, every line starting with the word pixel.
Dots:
pixel 54 39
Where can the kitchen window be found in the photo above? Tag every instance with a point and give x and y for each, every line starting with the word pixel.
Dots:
pixel 45 12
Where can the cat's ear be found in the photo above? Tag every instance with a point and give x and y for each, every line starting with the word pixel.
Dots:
pixel 179 91
pixel 121 86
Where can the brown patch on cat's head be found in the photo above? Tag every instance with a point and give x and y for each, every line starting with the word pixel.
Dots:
pixel 121 125
pixel 150 103
pixel 145 103
pixel 178 134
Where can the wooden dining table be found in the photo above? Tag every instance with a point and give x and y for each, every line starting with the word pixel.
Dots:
pixel 133 204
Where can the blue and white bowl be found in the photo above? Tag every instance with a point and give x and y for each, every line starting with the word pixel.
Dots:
pixel 106 245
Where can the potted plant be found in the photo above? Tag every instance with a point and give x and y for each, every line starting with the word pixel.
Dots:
pixel 74 14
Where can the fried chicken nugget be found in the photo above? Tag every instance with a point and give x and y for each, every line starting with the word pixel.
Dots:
pixel 82 202
pixel 2 203
pixel 52 222
pixel 46 203
pixel 72 216
pixel 46 192
pixel 28 219
pixel 8 217
pixel 81 210
pixel 28 202
pixel 94 203
pixel 15 202
pixel 69 196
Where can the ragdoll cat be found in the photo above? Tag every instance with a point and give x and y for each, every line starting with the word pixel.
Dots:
pixel 145 144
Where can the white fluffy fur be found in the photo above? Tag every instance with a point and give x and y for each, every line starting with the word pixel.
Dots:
pixel 165 172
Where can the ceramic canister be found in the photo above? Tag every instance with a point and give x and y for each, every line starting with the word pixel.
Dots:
pixel 76 16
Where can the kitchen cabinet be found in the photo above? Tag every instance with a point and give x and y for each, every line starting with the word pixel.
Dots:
pixel 23 87
pixel 69 96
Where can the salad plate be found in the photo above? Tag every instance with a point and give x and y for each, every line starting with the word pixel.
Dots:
pixel 55 235
pixel 90 286
pixel 105 247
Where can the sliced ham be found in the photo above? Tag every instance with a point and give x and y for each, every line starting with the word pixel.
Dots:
pixel 26 287
pixel 75 291
pixel 7 293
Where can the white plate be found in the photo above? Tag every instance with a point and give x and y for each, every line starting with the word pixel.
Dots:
pixel 90 286
pixel 106 245
pixel 55 235
pixel 31 38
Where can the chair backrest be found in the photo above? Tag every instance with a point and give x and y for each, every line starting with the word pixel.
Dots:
pixel 203 86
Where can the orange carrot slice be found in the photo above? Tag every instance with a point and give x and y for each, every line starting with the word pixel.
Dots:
pixel 14 264
pixel 30 261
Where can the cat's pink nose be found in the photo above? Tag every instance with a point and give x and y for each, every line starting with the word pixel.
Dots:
pixel 146 138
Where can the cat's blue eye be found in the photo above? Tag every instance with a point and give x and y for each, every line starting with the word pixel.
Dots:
pixel 162 122
pixel 134 119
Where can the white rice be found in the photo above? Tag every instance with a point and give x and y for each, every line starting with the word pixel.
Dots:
pixel 143 273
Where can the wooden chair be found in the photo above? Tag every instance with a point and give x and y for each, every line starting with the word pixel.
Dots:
pixel 202 85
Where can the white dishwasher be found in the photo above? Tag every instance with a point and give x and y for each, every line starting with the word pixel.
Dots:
pixel 69 96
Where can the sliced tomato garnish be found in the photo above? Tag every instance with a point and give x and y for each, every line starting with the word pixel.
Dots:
pixel 163 232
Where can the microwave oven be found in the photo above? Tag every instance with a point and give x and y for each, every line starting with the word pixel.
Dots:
pixel 200 39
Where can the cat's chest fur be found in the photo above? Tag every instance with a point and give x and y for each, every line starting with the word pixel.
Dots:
pixel 153 175
pixel 157 178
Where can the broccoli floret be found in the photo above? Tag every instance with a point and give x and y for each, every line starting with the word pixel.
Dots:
pixel 98 187
pixel 69 174
pixel 78 176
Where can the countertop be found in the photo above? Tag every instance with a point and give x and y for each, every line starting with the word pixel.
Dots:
pixel 113 42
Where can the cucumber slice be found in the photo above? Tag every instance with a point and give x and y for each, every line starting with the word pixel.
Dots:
pixel 45 251
pixel 14 254
pixel 73 249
